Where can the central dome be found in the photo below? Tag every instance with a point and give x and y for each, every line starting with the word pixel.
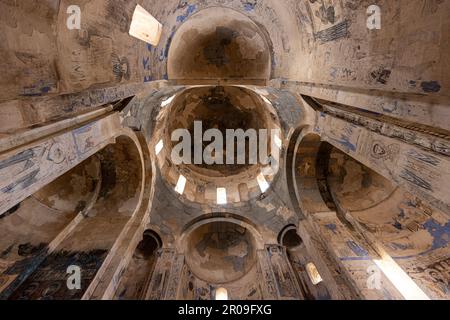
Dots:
pixel 236 156
pixel 221 108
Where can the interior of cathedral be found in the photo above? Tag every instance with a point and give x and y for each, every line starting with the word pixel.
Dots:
pixel 351 201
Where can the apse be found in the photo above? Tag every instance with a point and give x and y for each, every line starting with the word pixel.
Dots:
pixel 224 46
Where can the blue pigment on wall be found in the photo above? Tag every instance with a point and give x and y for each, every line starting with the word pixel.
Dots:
pixel 249 6
pixel 440 234
pixel 357 249
pixel 331 227
pixel 190 10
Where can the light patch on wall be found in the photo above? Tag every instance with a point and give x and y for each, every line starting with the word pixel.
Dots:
pixel 145 27
pixel 159 147
pixel 221 294
pixel 181 184
pixel 221 196
pixel 263 184
pixel 277 141
pixel 400 279
pixel 168 101
pixel 267 171
pixel 313 273
pixel 266 100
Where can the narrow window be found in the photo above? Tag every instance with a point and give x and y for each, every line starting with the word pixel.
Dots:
pixel 159 147
pixel 263 185
pixel 181 184
pixel 313 273
pixel 221 196
pixel 221 294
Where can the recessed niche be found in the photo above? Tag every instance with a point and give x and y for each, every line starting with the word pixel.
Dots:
pixel 220 252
